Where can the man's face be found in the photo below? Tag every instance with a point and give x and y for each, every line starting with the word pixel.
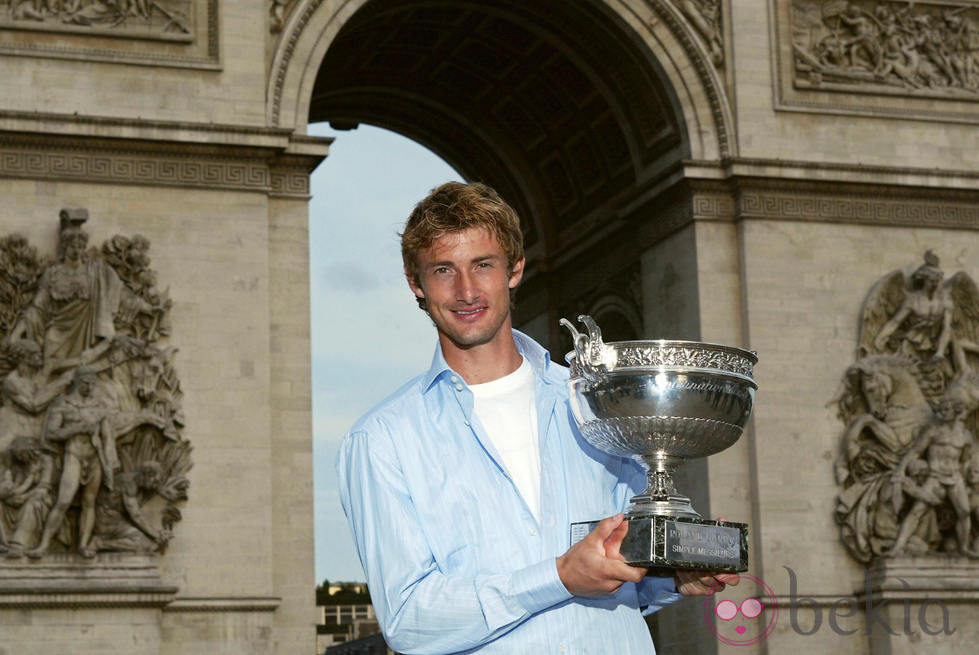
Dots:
pixel 950 409
pixel 464 280
pixel 85 386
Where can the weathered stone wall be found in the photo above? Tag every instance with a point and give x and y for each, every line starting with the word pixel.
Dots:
pixel 235 266
pixel 780 116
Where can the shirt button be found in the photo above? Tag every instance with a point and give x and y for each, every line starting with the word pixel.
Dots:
pixel 454 379
pixel 458 387
pixel 467 423
pixel 533 532
pixel 563 649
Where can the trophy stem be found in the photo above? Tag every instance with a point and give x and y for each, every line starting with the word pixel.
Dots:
pixel 661 497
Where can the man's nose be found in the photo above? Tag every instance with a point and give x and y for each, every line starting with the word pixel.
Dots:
pixel 466 289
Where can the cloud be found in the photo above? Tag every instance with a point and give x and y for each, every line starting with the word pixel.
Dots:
pixel 350 277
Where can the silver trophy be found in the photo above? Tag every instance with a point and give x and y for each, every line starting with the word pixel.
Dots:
pixel 661 403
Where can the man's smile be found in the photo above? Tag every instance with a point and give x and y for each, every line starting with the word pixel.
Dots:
pixel 469 315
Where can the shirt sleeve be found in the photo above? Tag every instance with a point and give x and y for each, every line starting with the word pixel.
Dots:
pixel 420 608
pixel 655 593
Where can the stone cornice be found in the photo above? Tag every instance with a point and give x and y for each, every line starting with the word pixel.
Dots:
pixel 73 598
pixel 276 164
pixel 224 604
pixel 57 124
pixel 68 581
pixel 758 189
pixel 738 189
pixel 780 169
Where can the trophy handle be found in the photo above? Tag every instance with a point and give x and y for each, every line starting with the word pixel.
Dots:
pixel 589 348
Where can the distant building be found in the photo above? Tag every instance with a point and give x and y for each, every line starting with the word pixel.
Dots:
pixel 347 624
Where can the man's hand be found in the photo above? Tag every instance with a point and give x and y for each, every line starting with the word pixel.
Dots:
pixel 703 583
pixel 593 566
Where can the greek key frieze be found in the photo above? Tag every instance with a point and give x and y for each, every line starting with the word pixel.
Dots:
pixel 120 168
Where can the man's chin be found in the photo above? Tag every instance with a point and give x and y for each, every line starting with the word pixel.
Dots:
pixel 465 342
pixel 466 339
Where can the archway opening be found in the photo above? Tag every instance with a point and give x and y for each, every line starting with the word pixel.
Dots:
pixel 557 105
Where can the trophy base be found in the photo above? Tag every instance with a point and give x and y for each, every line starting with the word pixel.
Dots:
pixel 670 543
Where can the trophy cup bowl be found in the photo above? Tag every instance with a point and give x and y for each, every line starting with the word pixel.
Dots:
pixel 660 403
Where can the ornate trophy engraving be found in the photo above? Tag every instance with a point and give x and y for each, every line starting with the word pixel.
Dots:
pixel 660 403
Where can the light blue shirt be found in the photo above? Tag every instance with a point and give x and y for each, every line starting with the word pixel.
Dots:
pixel 455 560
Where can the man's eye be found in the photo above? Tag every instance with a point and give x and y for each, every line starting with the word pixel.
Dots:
pixel 441 270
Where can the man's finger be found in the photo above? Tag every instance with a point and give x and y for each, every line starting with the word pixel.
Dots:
pixel 619 570
pixel 606 527
pixel 696 583
pixel 614 541
pixel 730 579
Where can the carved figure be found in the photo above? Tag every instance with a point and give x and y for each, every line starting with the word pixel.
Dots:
pixel 79 421
pixel 277 13
pixel 95 319
pixel 133 16
pixel 21 401
pixel 27 493
pixel 882 406
pixel 946 444
pixel 909 406
pixel 933 323
pixel 926 49
pixel 862 46
pixel 75 304
pixel 705 16
pixel 121 522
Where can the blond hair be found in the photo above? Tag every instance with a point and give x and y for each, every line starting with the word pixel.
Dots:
pixel 453 207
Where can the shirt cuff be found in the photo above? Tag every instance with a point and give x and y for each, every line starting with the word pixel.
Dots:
pixel 538 586
pixel 657 592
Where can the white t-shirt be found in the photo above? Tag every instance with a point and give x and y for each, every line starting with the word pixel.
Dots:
pixel 506 407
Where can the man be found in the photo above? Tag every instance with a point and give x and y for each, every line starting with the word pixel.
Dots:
pixel 78 420
pixel 120 523
pixel 21 399
pixel 460 488
pixel 26 493
pixel 945 443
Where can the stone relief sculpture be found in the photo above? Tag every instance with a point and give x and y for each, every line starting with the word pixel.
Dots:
pixel 887 46
pixel 908 465
pixel 277 15
pixel 133 17
pixel 91 452
pixel 705 16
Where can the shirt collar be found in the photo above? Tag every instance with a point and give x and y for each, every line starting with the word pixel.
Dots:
pixel 533 352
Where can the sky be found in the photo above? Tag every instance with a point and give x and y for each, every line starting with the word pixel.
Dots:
pixel 368 335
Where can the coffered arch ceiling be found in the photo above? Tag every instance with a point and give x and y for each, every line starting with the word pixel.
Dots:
pixel 554 103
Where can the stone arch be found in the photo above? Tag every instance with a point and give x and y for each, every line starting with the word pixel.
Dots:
pixel 655 24
pixel 580 114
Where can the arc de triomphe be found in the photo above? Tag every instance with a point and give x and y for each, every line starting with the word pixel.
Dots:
pixel 743 172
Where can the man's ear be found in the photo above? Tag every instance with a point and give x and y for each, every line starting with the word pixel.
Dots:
pixel 414 285
pixel 516 273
